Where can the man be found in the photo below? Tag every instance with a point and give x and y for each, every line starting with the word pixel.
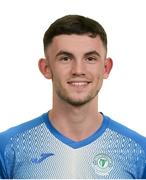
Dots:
pixel 73 140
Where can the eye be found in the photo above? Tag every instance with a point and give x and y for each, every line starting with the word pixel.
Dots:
pixel 64 59
pixel 91 59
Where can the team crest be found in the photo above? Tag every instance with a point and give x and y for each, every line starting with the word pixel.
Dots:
pixel 102 164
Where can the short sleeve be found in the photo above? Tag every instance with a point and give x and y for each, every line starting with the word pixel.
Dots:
pixel 144 173
pixel 2 173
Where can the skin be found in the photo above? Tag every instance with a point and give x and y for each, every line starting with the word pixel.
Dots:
pixel 77 65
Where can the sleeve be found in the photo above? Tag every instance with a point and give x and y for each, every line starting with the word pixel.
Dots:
pixel 2 162
pixel 144 173
pixel 2 172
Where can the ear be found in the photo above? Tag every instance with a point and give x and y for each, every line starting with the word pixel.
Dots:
pixel 45 68
pixel 107 67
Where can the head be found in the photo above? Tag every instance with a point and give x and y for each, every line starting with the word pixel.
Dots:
pixel 74 24
pixel 75 49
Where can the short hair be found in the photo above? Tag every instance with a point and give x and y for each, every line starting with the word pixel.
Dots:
pixel 74 24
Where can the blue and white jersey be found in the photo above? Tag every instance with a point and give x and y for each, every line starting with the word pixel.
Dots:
pixel 37 150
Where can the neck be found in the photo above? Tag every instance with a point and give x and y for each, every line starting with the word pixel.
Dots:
pixel 76 123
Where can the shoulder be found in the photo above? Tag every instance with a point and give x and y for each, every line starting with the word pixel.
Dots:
pixel 126 132
pixel 19 129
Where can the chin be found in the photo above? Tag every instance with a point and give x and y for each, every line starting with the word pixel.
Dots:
pixel 78 101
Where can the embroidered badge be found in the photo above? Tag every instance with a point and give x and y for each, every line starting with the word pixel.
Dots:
pixel 102 164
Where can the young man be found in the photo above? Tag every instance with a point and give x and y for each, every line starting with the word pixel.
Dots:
pixel 73 140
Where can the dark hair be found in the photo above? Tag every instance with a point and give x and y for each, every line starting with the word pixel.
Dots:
pixel 74 24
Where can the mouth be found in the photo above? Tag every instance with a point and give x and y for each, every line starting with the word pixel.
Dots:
pixel 78 83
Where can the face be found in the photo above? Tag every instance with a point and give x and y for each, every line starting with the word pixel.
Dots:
pixel 77 65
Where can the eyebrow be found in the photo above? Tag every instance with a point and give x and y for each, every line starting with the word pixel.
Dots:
pixel 61 52
pixel 64 53
pixel 92 53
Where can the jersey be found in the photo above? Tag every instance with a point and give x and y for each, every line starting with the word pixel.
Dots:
pixel 36 150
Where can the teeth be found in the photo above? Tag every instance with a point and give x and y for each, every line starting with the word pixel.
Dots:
pixel 79 83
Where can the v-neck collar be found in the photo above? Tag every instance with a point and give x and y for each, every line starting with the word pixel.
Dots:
pixel 72 143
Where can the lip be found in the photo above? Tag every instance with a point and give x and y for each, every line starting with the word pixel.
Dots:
pixel 78 83
pixel 78 80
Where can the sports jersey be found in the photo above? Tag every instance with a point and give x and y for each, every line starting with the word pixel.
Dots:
pixel 37 150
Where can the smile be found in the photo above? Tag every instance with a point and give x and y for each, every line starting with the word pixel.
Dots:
pixel 78 83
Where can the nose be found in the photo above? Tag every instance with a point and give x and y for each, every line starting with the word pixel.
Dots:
pixel 78 68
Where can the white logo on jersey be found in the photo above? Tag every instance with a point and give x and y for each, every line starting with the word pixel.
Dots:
pixel 102 164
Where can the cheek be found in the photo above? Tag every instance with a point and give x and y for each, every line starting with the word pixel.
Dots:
pixel 98 77
pixel 101 71
pixel 62 74
pixel 58 77
pixel 97 72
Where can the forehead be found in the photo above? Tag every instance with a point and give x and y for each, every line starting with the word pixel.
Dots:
pixel 76 43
